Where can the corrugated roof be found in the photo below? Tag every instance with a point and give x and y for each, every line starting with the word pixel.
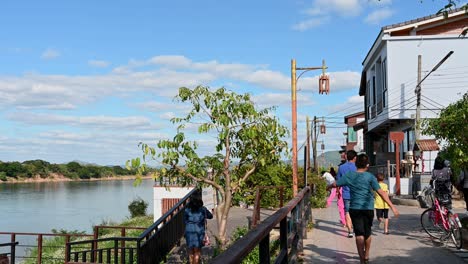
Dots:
pixel 420 19
pixel 427 144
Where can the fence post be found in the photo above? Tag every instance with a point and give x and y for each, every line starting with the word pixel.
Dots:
pixel 39 249
pixel 13 252
pixel 264 250
pixel 67 248
pixel 284 238
pixel 116 251
pixel 122 243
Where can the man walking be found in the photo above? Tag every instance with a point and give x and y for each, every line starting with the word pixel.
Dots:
pixel 361 210
pixel 345 193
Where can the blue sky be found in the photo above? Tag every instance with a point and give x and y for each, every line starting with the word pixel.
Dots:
pixel 88 80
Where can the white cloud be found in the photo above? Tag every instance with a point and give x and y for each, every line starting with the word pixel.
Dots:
pixel 344 80
pixel 344 8
pixel 98 63
pixel 95 122
pixel 37 91
pixel 377 16
pixel 280 99
pixel 380 2
pixel 49 54
pixel 321 12
pixel 310 23
pixel 167 115
pixel 353 104
pixel 174 61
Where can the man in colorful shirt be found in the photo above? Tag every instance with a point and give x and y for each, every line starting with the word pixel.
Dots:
pixel 345 193
pixel 361 209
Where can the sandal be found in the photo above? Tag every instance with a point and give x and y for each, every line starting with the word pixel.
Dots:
pixel 387 233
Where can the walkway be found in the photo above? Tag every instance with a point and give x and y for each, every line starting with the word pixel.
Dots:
pixel 407 242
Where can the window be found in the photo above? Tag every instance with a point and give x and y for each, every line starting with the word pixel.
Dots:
pixel 374 101
pixel 384 81
pixel 352 137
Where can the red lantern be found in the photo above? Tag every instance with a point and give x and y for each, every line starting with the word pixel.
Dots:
pixel 322 129
pixel 324 84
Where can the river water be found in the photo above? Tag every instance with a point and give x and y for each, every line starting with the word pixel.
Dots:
pixel 41 207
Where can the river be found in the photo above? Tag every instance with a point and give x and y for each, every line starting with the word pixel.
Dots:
pixel 41 207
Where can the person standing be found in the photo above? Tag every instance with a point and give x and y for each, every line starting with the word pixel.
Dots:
pixel 344 191
pixel 195 215
pixel 362 184
pixel 381 207
pixel 441 181
pixel 463 180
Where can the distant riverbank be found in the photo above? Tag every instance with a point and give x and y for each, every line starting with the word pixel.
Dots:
pixel 61 178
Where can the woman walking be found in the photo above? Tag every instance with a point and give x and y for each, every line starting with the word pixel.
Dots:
pixel 195 216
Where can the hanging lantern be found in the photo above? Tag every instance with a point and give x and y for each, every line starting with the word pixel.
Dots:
pixel 324 84
pixel 323 129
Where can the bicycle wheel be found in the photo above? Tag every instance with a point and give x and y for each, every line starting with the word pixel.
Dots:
pixel 430 225
pixel 456 233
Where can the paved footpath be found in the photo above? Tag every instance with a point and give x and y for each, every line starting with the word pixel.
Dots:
pixel 406 243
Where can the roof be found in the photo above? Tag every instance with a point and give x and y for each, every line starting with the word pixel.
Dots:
pixel 357 115
pixel 420 20
pixel 424 18
pixel 427 144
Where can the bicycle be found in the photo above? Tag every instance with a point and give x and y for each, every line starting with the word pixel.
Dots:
pixel 439 222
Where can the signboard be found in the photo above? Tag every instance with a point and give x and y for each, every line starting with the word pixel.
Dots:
pixel 208 195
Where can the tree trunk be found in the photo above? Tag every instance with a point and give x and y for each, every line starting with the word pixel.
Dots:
pixel 222 216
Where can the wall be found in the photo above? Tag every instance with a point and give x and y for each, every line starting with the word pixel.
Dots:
pixel 443 86
pixel 160 193
pixel 402 64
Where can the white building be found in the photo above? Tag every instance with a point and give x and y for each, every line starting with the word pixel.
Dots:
pixel 390 76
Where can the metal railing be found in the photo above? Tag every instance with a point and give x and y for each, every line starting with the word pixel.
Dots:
pixel 152 246
pixel 4 256
pixel 292 219
pixel 258 197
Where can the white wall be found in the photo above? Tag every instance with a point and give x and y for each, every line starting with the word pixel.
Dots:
pixel 160 193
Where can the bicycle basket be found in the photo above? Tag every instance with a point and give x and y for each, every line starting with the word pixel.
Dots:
pixel 422 201
pixel 426 198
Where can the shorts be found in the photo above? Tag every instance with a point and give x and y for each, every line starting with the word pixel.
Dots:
pixel 362 222
pixel 381 213
pixel 346 202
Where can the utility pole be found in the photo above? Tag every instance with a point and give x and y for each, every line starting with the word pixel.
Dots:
pixel 418 89
pixel 324 85
pixel 307 167
pixel 314 144
pixel 417 131
pixel 294 125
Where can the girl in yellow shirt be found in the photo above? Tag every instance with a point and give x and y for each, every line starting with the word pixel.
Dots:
pixel 381 207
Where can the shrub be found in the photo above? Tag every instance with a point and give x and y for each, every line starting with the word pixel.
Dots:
pixel 319 195
pixel 3 176
pixel 137 207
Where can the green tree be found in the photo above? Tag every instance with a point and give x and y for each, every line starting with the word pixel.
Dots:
pixel 250 137
pixel 74 166
pixel 451 129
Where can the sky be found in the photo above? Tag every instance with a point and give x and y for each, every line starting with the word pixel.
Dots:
pixel 88 80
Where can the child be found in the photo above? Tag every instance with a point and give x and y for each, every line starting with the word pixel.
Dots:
pixel 381 207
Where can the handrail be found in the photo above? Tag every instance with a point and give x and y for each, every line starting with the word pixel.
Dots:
pixel 163 219
pixel 12 253
pixel 299 207
pixel 148 247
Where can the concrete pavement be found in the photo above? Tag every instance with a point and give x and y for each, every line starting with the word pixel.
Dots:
pixel 406 243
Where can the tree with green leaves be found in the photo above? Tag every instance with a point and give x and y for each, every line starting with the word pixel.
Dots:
pixel 451 129
pixel 246 139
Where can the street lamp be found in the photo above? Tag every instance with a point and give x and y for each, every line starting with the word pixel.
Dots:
pixel 324 87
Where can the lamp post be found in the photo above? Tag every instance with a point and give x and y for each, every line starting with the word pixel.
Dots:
pixel 323 86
